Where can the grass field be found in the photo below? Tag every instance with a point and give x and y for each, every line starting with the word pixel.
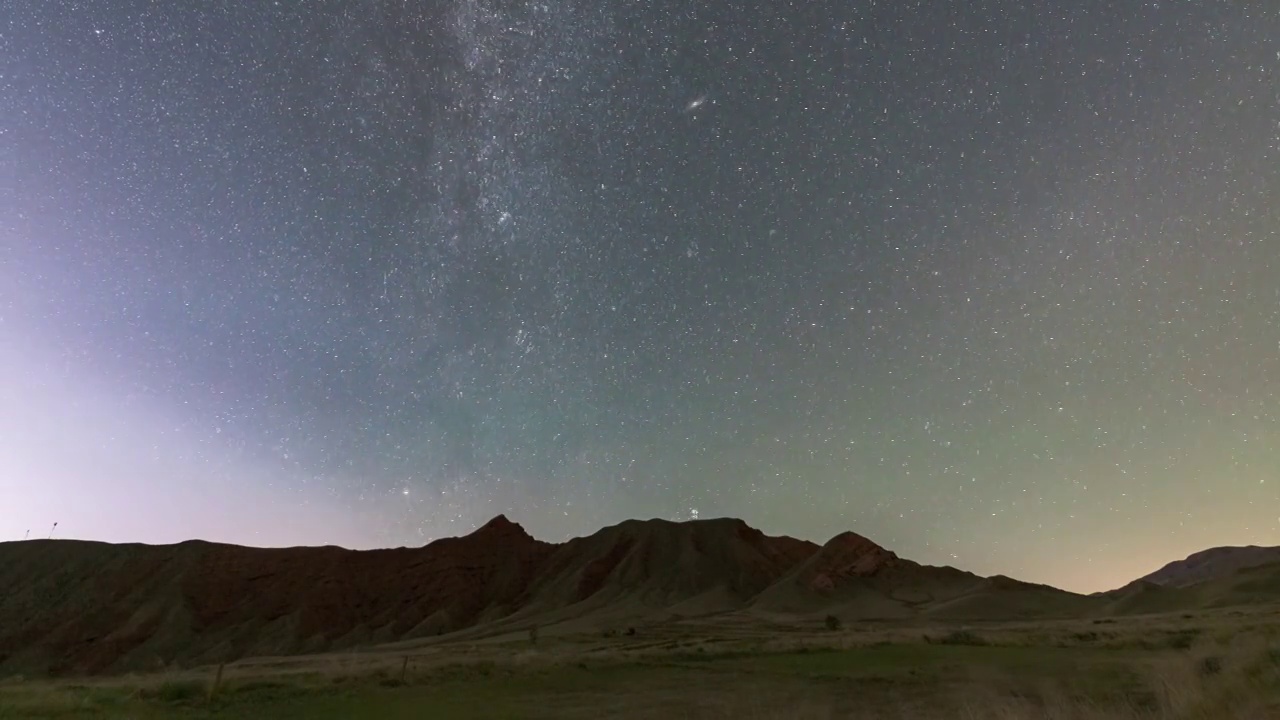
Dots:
pixel 1212 665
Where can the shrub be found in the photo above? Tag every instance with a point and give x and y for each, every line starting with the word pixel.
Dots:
pixel 266 688
pixel 1182 640
pixel 1211 665
pixel 832 623
pixel 962 637
pixel 178 691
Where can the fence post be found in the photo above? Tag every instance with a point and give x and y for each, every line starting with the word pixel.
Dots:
pixel 217 681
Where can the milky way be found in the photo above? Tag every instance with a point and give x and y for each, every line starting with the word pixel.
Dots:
pixel 994 284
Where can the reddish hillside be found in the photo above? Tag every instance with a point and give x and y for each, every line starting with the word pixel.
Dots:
pixel 847 555
pixel 85 607
pixel 657 563
pixel 90 607
pixel 853 577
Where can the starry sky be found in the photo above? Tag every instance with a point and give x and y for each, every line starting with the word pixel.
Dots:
pixel 995 284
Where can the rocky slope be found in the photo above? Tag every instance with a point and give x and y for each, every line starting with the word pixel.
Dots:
pixel 73 607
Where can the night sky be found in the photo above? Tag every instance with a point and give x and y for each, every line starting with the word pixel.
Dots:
pixel 995 284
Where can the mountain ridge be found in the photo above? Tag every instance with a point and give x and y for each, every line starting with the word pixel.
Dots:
pixel 1212 563
pixel 83 607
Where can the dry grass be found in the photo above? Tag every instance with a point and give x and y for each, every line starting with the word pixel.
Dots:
pixel 1247 687
pixel 1206 667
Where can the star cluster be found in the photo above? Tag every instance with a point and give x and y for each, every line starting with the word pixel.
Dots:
pixel 995 284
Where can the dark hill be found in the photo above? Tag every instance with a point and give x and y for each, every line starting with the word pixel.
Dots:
pixel 74 607
pixel 1212 564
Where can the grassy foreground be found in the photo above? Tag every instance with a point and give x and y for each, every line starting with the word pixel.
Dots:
pixel 1088 674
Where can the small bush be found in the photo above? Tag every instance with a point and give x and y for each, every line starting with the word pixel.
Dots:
pixel 264 688
pixel 1211 665
pixel 703 656
pixel 832 622
pixel 463 671
pixel 1182 640
pixel 630 632
pixel 178 691
pixel 963 637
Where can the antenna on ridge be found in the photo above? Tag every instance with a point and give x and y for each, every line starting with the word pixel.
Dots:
pixel 27 536
pixel 55 527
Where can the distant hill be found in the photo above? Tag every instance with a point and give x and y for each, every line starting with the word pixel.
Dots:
pixel 1211 564
pixel 853 578
pixel 709 565
pixel 1249 585
pixel 87 607
pixel 74 607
